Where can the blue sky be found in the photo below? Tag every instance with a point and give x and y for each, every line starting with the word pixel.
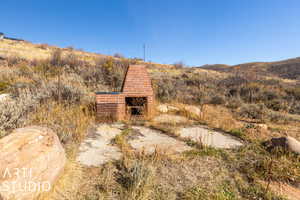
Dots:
pixel 196 32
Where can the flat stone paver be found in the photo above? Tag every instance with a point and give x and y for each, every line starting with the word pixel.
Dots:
pixel 96 149
pixel 148 141
pixel 208 137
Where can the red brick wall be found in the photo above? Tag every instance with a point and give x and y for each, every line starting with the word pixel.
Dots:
pixel 137 83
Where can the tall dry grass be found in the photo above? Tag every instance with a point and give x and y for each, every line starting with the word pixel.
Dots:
pixel 70 122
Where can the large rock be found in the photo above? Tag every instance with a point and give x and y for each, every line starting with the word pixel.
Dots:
pixel 31 159
pixel 206 137
pixel 287 143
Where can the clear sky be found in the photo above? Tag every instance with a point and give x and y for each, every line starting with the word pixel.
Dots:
pixel 196 32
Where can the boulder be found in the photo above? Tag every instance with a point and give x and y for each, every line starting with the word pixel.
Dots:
pixel 164 108
pixel 193 109
pixel 31 159
pixel 287 143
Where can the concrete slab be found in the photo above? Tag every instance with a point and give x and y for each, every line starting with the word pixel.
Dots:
pixel 208 137
pixel 148 141
pixel 96 149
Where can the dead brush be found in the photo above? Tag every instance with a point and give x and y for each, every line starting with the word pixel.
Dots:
pixel 183 111
pixel 13 113
pixel 70 122
pixel 67 185
pixel 136 179
pixel 121 141
pixel 220 118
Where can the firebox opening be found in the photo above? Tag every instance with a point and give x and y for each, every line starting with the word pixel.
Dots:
pixel 136 106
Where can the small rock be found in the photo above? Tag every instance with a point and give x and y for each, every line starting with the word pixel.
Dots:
pixel 29 157
pixel 209 138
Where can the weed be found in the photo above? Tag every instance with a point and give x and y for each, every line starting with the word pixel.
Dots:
pixel 237 133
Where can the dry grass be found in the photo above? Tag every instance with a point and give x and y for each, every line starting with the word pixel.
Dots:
pixel 31 51
pixel 70 122
pixel 68 185
pixel 219 117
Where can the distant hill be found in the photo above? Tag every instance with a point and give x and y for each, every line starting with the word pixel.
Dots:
pixel 217 67
pixel 288 69
pixel 30 51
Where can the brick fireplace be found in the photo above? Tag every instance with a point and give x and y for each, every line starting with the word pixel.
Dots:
pixel 134 101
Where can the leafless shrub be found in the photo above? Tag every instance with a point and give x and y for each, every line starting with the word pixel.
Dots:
pixel 179 65
pixel 135 180
pixel 68 93
pixel 217 100
pixel 14 60
pixel 118 55
pixel 13 112
pixel 252 111
pixel 43 46
pixel 56 58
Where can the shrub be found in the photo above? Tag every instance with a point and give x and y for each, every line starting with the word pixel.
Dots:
pixel 118 55
pixel 254 161
pixel 4 86
pixel 295 92
pixel 43 46
pixel 56 58
pixel 13 113
pixel 135 180
pixel 165 90
pixel 232 81
pixel 70 122
pixel 276 104
pixel 269 95
pixel 295 109
pixel 14 60
pixel 250 92
pixel 179 65
pixel 234 103
pixel 217 100
pixel 237 132
pixel 252 111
